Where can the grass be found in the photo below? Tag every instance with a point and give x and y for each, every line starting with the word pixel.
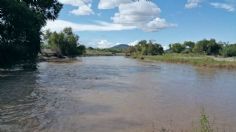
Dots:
pixel 196 60
pixel 204 124
pixel 96 52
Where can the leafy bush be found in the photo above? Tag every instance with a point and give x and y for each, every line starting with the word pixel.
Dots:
pixel 229 50
pixel 145 48
pixel 208 47
pixel 64 43
pixel 177 48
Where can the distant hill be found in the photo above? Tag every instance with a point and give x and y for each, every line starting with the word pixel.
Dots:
pixel 120 46
pixel 115 50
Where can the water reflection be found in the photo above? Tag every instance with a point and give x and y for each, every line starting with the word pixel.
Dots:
pixel 17 98
pixel 104 94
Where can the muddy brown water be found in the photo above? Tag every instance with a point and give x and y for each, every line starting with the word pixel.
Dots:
pixel 115 94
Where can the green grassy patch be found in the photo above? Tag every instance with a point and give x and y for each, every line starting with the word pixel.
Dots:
pixel 196 60
pixel 98 52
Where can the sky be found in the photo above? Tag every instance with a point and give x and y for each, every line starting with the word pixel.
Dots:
pixel 105 23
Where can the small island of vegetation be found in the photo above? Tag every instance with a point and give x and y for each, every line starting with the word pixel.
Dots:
pixel 61 45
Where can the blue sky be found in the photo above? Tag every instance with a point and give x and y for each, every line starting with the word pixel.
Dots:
pixel 104 23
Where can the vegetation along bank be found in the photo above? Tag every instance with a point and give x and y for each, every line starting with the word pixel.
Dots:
pixel 207 53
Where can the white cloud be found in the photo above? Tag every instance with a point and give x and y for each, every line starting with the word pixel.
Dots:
pixel 104 44
pixel 83 6
pixel 75 2
pixel 133 43
pixel 157 24
pixel 83 10
pixel 142 14
pixel 136 12
pixel 59 25
pixel 109 4
pixel 165 47
pixel 192 4
pixel 227 7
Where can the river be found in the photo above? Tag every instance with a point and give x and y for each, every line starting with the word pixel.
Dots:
pixel 115 94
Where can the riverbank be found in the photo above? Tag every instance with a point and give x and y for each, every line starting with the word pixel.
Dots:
pixel 196 60
pixel 51 57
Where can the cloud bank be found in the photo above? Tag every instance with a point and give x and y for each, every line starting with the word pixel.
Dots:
pixel 225 6
pixel 192 4
pixel 142 14
pixel 59 25
pixel 83 7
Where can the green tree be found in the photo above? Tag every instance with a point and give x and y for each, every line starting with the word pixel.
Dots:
pixel 145 48
pixel 131 51
pixel 213 48
pixel 64 43
pixel 142 47
pixel 20 25
pixel 177 48
pixel 189 45
pixel 155 49
pixel 201 47
pixel 229 50
pixel 81 49
pixel 209 47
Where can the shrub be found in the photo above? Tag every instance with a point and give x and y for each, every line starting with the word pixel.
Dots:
pixel 177 48
pixel 64 43
pixel 145 48
pixel 229 50
pixel 209 47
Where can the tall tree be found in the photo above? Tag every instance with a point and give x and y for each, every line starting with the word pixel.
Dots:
pixel 64 43
pixel 209 47
pixel 189 45
pixel 20 25
pixel 177 48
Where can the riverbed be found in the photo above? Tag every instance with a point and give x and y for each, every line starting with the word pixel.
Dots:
pixel 116 94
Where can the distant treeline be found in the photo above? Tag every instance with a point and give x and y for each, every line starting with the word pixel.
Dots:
pixel 206 47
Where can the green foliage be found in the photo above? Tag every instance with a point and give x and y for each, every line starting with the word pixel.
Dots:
pixel 145 48
pixel 193 59
pixel 81 49
pixel 130 51
pixel 98 52
pixel 208 47
pixel 229 50
pixel 116 50
pixel 201 47
pixel 20 25
pixel 205 125
pixel 155 49
pixel 177 48
pixel 64 43
pixel 189 45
